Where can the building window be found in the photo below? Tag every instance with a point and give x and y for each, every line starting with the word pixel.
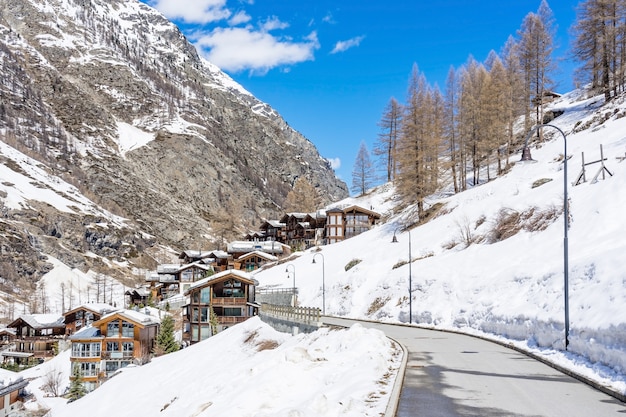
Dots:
pixel 128 329
pixel 205 295
pixel 128 348
pixel 89 369
pixel 113 329
pixel 232 311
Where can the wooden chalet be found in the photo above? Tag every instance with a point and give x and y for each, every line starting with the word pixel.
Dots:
pixel 273 230
pixel 347 222
pixel 84 315
pixel 36 335
pixel 113 342
pixel 7 336
pixel 218 259
pixel 253 260
pixel 137 297
pixel 238 248
pixel 12 394
pixel 358 220
pixel 172 279
pixel 229 295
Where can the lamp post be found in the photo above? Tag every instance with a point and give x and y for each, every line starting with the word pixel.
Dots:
pixel 526 157
pixel 395 240
pixel 323 282
pixel 294 281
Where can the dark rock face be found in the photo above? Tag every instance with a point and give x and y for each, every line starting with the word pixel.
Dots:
pixel 109 96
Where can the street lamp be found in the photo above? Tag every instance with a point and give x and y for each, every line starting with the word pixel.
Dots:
pixel 395 240
pixel 294 281
pixel 526 157
pixel 323 283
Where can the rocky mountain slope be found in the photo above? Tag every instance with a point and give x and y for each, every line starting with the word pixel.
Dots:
pixel 110 103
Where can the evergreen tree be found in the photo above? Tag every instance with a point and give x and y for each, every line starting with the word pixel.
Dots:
pixel 166 343
pixel 363 172
pixel 77 389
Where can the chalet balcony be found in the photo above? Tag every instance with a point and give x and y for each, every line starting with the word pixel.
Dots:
pixel 117 355
pixel 227 301
pixel 230 319
pixel 95 354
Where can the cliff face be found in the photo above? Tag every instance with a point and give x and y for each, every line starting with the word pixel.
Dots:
pixel 108 99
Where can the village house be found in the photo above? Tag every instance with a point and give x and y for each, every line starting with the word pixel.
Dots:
pixel 113 342
pixel 304 230
pixel 7 336
pixel 137 297
pixel 35 337
pixel 252 261
pixel 228 295
pixel 84 315
pixel 12 393
pixel 172 279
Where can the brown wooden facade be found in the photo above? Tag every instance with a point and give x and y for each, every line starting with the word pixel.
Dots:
pixel 113 342
pixel 304 230
pixel 229 295
pixel 37 334
pixel 84 315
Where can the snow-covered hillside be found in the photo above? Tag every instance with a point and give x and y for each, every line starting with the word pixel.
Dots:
pixel 513 288
pixel 247 370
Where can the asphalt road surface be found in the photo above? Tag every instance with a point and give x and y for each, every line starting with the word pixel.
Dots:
pixel 450 374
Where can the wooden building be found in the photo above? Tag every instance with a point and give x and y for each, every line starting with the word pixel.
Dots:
pixel 84 315
pixel 113 342
pixel 253 260
pixel 12 394
pixel 229 295
pixel 37 334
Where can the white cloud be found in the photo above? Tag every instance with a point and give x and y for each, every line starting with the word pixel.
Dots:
pixel 273 23
pixel 193 11
pixel 342 46
pixel 239 49
pixel 239 18
pixel 329 19
pixel 335 163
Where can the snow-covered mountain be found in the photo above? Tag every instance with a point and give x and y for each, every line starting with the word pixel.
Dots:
pixel 118 139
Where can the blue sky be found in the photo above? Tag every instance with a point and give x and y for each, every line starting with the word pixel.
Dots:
pixel 330 67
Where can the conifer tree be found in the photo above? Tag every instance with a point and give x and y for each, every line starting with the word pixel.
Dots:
pixel 77 389
pixel 166 342
pixel 363 172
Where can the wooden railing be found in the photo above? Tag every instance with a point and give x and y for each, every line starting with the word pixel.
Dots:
pixel 219 301
pixel 230 319
pixel 306 315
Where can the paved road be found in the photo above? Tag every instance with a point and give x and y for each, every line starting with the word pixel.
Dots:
pixel 455 375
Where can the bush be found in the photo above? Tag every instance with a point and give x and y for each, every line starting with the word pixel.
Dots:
pixel 352 263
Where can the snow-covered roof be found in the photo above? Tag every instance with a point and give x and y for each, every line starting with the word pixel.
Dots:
pixel 241 275
pixel 100 308
pixel 268 246
pixel 260 254
pixel 139 317
pixel 88 332
pixel 42 321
